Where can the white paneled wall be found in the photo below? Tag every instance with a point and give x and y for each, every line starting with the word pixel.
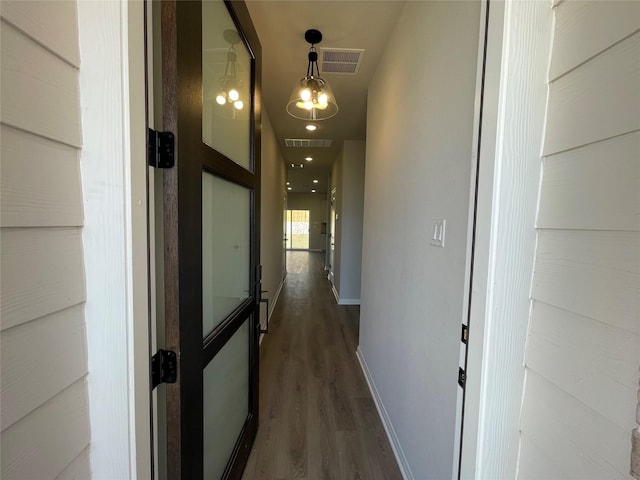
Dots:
pixel 583 348
pixel 43 394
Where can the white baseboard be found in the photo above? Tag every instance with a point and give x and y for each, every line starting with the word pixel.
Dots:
pixel 344 301
pixel 349 301
pixel 272 305
pixel 275 298
pixel 386 421
pixel 335 293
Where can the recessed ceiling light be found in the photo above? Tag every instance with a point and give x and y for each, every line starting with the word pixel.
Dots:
pixel 313 191
pixel 288 183
pixel 308 159
pixel 311 127
pixel 288 188
pixel 315 181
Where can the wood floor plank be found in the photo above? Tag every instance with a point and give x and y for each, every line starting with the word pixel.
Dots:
pixel 317 418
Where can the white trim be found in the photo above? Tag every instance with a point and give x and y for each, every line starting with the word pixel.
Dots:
pixel 275 298
pixel 517 62
pixel 470 226
pixel 349 301
pixel 483 233
pixel 137 225
pixel 343 301
pixel 333 289
pixel 403 465
pixel 115 236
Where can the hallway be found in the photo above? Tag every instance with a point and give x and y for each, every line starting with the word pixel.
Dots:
pixel 317 417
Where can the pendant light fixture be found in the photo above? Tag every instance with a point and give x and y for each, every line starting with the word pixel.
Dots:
pixel 312 98
pixel 229 85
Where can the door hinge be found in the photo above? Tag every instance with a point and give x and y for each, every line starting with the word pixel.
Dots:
pixel 462 377
pixel 164 368
pixel 161 149
pixel 464 337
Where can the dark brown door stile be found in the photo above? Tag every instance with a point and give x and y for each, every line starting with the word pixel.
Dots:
pixel 182 115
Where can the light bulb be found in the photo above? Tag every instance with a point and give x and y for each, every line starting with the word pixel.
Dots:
pixel 233 94
pixel 311 127
pixel 308 104
pixel 238 104
pixel 305 94
pixel 220 99
pixel 323 99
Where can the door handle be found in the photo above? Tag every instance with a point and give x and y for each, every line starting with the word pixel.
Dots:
pixel 265 300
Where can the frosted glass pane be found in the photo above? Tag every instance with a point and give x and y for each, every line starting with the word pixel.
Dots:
pixel 225 249
pixel 226 85
pixel 226 401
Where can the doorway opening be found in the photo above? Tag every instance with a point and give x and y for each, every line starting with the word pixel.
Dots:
pixel 297 233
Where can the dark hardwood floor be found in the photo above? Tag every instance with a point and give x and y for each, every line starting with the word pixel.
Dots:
pixel 317 418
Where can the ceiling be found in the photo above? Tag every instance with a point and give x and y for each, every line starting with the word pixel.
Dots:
pixel 344 24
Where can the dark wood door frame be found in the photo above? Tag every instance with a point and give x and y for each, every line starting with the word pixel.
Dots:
pixel 182 115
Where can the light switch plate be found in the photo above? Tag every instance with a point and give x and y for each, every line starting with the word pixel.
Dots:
pixel 438 232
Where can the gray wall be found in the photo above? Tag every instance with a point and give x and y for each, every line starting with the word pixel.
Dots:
pixel 336 182
pixel 348 177
pixel 419 150
pixel 316 203
pixel 271 214
pixel 352 207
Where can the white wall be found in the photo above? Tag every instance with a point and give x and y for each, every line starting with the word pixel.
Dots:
pixel 43 395
pixel 316 203
pixel 271 215
pixel 417 169
pixel 347 176
pixel 583 347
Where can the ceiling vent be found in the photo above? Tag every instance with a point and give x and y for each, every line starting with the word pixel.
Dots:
pixel 343 61
pixel 307 143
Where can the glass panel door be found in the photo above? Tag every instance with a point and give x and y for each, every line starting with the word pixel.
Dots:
pixel 211 211
pixel 226 85
pixel 225 249
pixel 226 388
pixel 297 229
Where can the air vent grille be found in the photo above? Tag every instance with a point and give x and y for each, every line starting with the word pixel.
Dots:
pixel 345 61
pixel 307 143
